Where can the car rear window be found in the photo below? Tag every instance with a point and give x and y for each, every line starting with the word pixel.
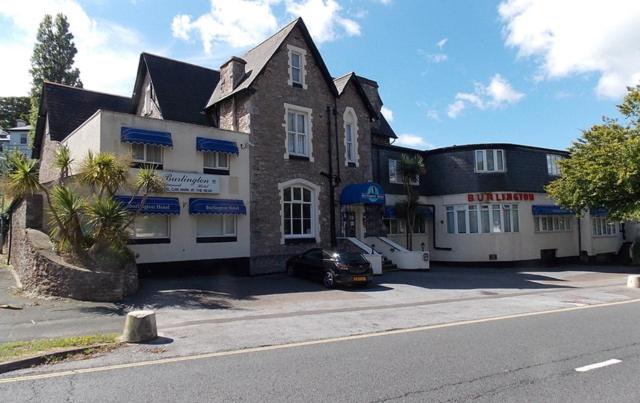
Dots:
pixel 352 258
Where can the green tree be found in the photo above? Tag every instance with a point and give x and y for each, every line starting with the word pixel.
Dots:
pixel 604 168
pixel 411 167
pixel 12 109
pixel 52 60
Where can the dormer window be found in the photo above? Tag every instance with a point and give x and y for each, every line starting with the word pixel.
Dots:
pixel 489 161
pixel 148 100
pixel 297 70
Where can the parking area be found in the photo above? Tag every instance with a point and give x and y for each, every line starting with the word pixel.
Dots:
pixel 190 301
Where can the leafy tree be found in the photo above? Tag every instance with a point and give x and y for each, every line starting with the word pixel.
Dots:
pixel 604 167
pixel 411 167
pixel 12 109
pixel 90 226
pixel 52 60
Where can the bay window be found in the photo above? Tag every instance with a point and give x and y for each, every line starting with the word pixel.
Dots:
pixel 551 223
pixel 482 219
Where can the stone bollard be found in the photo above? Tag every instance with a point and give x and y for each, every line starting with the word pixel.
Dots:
pixel 633 281
pixel 139 327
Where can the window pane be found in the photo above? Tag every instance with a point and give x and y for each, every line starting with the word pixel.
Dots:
pixel 462 221
pixel 484 220
pixel 229 225
pixel 223 160
pixel 287 210
pixel 306 211
pixel 147 226
pixel 507 218
pixel 490 165
pixel 536 224
pixel 297 227
pixel 479 160
pixel 296 211
pixel 473 219
pixel 297 193
pixel 295 59
pixel 306 193
pixel 287 194
pixel 347 132
pixel 306 226
pixel 495 214
pixel 287 226
pixel 301 128
pixel 515 219
pixel 500 160
pixel 137 152
pixel 450 220
pixel 291 122
pixel 292 142
pixel 393 171
pixel 301 144
pixel 295 75
pixel 154 154
pixel 209 160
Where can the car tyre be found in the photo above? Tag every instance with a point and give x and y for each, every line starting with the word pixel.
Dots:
pixel 329 279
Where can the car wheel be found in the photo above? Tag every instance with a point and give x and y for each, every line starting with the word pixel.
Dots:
pixel 290 270
pixel 328 279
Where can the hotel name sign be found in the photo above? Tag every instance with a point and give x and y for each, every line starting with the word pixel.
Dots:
pixel 185 182
pixel 499 197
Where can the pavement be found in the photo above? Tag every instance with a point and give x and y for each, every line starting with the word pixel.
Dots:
pixel 220 313
pixel 532 357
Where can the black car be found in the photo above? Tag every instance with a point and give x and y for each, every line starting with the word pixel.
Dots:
pixel 346 268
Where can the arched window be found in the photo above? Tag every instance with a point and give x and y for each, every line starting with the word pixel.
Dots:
pixel 350 137
pixel 299 209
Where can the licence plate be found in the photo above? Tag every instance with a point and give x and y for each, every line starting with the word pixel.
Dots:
pixel 359 278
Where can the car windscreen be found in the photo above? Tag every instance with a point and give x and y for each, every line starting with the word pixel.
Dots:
pixel 351 258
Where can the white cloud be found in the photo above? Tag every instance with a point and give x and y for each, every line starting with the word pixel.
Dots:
pixel 440 44
pixel 413 141
pixel 387 113
pixel 576 37
pixel 437 57
pixel 238 23
pixel 385 2
pixel 323 19
pixel 107 52
pixel 497 94
pixel 433 115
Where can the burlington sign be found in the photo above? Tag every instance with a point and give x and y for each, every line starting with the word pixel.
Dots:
pixel 184 182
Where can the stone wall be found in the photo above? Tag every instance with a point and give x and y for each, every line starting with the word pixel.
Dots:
pixel 41 271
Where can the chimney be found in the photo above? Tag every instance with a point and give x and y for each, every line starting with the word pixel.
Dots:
pixel 231 73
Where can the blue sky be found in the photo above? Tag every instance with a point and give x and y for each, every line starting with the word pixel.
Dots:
pixel 534 72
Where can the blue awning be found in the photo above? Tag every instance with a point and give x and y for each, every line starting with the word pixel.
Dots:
pixel 216 146
pixel 598 212
pixel 152 205
pixel 362 193
pixel 424 211
pixel 550 210
pixel 216 206
pixel 143 136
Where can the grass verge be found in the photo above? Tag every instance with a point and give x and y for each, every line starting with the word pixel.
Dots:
pixel 21 349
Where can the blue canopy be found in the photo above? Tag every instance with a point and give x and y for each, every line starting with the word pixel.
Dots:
pixel 598 212
pixel 216 206
pixel 216 146
pixel 143 136
pixel 152 205
pixel 424 211
pixel 365 193
pixel 550 210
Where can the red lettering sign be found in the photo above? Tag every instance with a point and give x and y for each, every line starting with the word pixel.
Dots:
pixel 487 197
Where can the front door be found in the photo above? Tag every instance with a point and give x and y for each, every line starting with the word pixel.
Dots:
pixel 348 223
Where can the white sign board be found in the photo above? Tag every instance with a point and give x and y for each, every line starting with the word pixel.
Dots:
pixel 185 182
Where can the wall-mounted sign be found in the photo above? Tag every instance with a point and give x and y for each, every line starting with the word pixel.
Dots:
pixel 499 197
pixel 184 182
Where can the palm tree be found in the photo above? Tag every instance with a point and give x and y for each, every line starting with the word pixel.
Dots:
pixel 62 160
pixel 411 167
pixel 103 172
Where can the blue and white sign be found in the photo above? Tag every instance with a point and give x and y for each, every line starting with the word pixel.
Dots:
pixel 216 206
pixel 362 193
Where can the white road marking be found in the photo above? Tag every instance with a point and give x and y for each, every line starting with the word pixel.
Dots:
pixel 299 344
pixel 598 365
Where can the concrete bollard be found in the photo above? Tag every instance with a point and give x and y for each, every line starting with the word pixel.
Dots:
pixel 633 281
pixel 139 327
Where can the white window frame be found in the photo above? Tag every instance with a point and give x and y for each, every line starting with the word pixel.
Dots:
pixel 308 114
pixel 395 226
pixel 551 223
pixel 132 228
pixel 497 214
pixel 315 209
pixel 216 159
pixel 351 118
pixel 145 159
pixel 603 227
pixel 553 169
pixel 303 65
pixel 223 217
pixel 494 153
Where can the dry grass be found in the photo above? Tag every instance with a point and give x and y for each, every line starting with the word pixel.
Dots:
pixel 19 349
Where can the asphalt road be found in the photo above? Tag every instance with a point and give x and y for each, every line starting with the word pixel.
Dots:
pixel 519 359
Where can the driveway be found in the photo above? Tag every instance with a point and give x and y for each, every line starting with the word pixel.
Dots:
pixel 187 302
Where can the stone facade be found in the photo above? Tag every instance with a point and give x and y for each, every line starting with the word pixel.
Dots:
pixel 262 111
pixel 40 271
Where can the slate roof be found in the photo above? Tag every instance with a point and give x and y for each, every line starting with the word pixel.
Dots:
pixel 182 89
pixel 259 56
pixel 68 107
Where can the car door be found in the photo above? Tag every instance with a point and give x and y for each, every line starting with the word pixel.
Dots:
pixel 313 265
